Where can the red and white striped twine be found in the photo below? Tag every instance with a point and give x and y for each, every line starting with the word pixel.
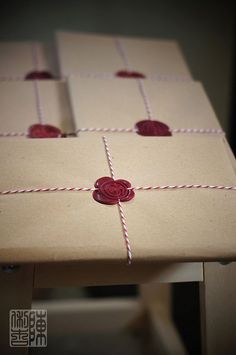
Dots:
pixel 122 52
pixel 38 103
pixel 111 75
pixel 137 188
pixel 13 134
pixel 125 233
pixel 12 78
pixel 105 75
pixel 145 98
pixel 198 130
pixel 105 129
pixel 134 130
pixel 109 158
pixel 163 77
pixel 47 189
pixel 192 186
pixel 123 130
pixel 120 209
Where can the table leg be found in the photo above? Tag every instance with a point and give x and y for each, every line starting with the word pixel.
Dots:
pixel 218 309
pixel 156 300
pixel 16 285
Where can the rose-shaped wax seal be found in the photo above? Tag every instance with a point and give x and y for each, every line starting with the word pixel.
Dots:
pixel 110 191
pixel 152 128
pixel 43 131
pixel 38 75
pixel 130 74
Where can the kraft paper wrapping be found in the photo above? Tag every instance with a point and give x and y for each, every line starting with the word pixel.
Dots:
pixel 17 59
pixel 18 105
pixel 98 102
pixel 173 225
pixel 83 52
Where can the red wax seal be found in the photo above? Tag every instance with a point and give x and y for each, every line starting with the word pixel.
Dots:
pixel 38 75
pixel 43 131
pixel 152 128
pixel 110 191
pixel 130 74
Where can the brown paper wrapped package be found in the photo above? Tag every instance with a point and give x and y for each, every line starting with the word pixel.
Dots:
pixel 17 59
pixel 98 102
pixel 169 225
pixel 18 105
pixel 91 53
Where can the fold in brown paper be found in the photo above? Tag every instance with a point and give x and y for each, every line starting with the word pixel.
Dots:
pixel 119 103
pixel 19 108
pixel 17 59
pixel 169 225
pixel 83 52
